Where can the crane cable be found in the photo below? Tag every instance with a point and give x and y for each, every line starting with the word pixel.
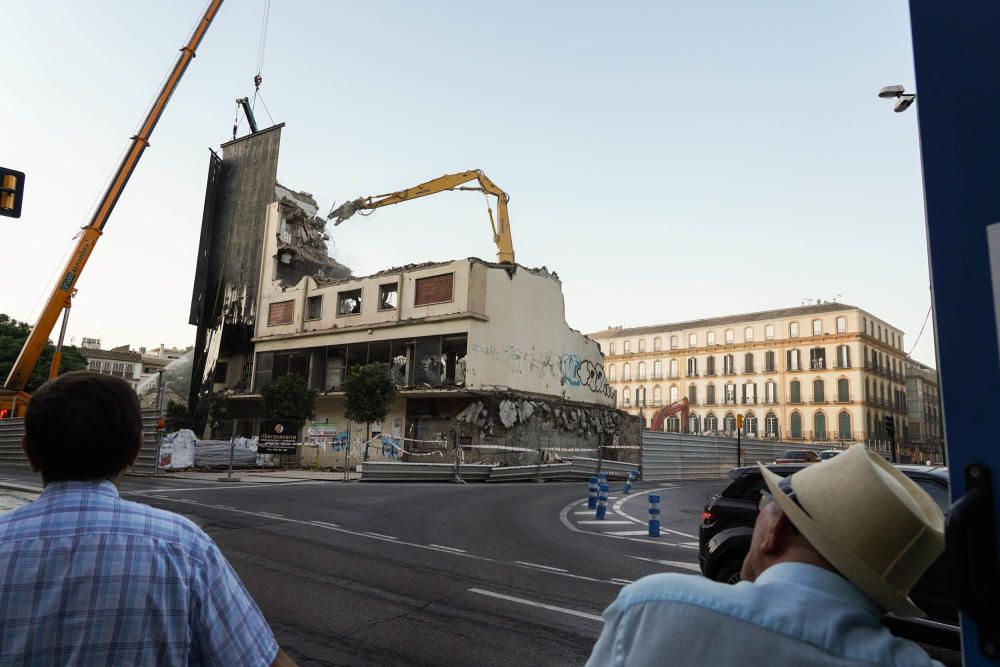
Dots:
pixel 258 78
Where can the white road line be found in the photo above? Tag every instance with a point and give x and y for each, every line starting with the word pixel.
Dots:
pixel 584 513
pixel 628 532
pixel 439 546
pixel 622 581
pixel 687 546
pixel 540 605
pixel 389 538
pixel 325 524
pixel 218 507
pixel 271 514
pixel 543 567
pixel 604 522
pixel 670 563
pixel 565 520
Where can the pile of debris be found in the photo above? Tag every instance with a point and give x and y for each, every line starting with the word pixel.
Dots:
pixel 509 411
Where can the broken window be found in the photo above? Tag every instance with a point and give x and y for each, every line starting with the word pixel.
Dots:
pixel 262 374
pixel 453 351
pixel 349 302
pixel 336 364
pixel 281 312
pixel 434 289
pixel 314 307
pixel 387 296
pixel 427 361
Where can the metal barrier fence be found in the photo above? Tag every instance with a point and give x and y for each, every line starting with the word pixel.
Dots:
pixel 680 456
pixel 12 431
pixel 574 469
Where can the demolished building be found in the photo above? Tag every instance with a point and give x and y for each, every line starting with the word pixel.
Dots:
pixel 480 352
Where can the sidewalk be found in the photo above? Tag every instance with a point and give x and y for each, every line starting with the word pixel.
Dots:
pixel 256 475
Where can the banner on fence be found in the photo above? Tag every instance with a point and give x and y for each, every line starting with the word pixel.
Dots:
pixel 278 436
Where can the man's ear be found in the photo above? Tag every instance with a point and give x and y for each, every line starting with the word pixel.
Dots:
pixel 27 453
pixel 778 534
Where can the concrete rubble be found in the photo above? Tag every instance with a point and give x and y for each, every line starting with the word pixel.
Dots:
pixel 510 411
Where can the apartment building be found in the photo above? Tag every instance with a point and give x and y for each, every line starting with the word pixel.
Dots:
pixel 827 372
pixel 924 412
pixel 119 362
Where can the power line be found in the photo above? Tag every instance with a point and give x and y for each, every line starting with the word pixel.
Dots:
pixel 921 331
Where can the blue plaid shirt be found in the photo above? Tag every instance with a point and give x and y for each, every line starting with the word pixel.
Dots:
pixel 87 578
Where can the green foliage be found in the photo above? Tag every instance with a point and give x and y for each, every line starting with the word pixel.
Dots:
pixel 368 393
pixel 289 397
pixel 12 337
pixel 176 417
pixel 218 407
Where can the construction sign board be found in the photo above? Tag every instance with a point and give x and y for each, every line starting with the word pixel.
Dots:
pixel 278 436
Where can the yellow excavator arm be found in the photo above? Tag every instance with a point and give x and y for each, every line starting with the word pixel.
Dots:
pixel 500 226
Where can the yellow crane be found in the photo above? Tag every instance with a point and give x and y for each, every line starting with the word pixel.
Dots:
pixel 61 297
pixel 501 226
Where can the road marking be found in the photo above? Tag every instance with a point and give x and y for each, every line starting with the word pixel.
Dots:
pixel 540 605
pixel 671 563
pixel 687 546
pixel 186 500
pixel 325 524
pixel 628 532
pixel 387 537
pixel 271 514
pixel 622 581
pixel 585 513
pixel 544 567
pixel 438 546
pixel 604 522
pixel 218 507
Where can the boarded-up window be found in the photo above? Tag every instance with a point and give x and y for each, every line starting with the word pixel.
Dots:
pixel 280 313
pixel 434 289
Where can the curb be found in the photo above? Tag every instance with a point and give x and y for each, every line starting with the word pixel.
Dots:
pixel 13 486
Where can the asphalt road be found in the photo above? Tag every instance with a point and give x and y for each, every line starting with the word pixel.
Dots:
pixel 441 574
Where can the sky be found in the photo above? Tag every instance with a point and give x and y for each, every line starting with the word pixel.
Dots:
pixel 670 161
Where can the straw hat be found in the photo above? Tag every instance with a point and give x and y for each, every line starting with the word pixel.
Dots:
pixel 873 524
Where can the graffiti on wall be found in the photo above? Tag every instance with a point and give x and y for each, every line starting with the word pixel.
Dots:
pixel 568 369
pixel 584 372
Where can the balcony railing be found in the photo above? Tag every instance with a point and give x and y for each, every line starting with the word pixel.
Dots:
pixel 817 365
pixel 657 376
pixel 819 399
pixel 749 400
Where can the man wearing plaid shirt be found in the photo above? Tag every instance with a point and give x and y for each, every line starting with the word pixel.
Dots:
pixel 87 578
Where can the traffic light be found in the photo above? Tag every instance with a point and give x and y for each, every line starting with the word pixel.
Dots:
pixel 890 427
pixel 4 413
pixel 11 192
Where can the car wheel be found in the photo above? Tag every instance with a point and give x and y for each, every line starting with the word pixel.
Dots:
pixel 730 572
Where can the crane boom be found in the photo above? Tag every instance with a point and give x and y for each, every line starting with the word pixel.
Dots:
pixel 500 226
pixel 62 293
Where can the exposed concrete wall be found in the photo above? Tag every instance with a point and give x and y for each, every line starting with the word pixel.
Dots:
pixel 526 345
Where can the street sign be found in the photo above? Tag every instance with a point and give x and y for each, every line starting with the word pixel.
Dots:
pixel 278 436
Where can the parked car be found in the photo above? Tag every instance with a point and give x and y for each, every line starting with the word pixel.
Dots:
pixel 797 456
pixel 828 454
pixel 727 524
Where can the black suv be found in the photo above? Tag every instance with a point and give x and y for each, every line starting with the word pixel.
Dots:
pixel 727 524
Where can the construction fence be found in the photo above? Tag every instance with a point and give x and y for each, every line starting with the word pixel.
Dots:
pixel 681 456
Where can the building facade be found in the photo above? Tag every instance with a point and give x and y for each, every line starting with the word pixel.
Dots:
pixel 924 414
pixel 452 336
pixel 119 362
pixel 827 372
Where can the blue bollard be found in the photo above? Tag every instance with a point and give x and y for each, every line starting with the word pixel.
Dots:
pixel 654 516
pixel 628 482
pixel 602 502
pixel 592 497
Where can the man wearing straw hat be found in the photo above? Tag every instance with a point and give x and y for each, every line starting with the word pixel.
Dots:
pixel 834 547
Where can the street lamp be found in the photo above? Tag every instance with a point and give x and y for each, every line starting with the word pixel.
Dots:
pixel 903 99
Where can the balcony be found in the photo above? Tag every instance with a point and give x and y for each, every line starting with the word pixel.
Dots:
pixel 794 401
pixel 817 365
pixel 748 370
pixel 710 373
pixel 658 376
pixel 640 377
pixel 673 376
pixel 770 369
pixel 711 403
pixel 843 398
pixel 749 401
pixel 819 399
pixel 692 374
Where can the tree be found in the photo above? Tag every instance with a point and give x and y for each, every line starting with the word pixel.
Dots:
pixel 289 397
pixel 368 395
pixel 12 337
pixel 176 417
